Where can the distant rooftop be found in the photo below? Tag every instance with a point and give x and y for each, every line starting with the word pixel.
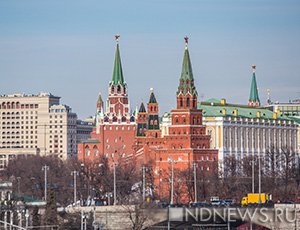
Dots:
pixel 90 141
pixel 42 94
pixel 219 108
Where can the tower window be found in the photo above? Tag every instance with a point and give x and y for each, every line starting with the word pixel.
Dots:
pixel 188 102
pixel 119 89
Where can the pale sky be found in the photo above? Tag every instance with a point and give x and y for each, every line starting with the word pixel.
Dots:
pixel 67 47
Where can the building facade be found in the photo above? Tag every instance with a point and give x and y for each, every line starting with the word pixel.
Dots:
pixel 114 132
pixel 84 129
pixel 290 109
pixel 35 124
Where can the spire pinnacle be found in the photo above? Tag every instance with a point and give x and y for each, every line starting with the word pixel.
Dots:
pixel 117 36
pixel 152 99
pixel 186 82
pixel 99 98
pixel 254 98
pixel 117 77
pixel 142 108
pixel 186 39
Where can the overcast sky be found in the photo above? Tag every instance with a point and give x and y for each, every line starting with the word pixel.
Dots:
pixel 67 47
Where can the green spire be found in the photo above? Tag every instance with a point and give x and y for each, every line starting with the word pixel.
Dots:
pixel 253 91
pixel 117 77
pixel 186 82
pixel 99 99
pixel 152 99
pixel 142 108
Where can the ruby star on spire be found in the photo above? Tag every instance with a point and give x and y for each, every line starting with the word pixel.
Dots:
pixel 117 36
pixel 186 39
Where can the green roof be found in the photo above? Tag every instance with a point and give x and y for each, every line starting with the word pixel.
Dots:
pixel 213 100
pixel 253 90
pixel 27 199
pixel 216 110
pixel 90 141
pixel 186 82
pixel 152 99
pixel 142 108
pixel 296 119
pixel 99 99
pixel 117 77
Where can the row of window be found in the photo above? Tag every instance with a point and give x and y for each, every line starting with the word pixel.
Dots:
pixel 117 128
pixel 18 113
pixel 115 119
pixel 18 146
pixel 17 105
pixel 18 142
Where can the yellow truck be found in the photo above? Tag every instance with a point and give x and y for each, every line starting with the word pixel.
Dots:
pixel 253 199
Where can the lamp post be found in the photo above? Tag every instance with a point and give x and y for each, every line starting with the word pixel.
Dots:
pixel 115 184
pixel 172 161
pixel 253 190
pixel 75 174
pixel 26 219
pixel 45 168
pixel 144 182
pixel 195 180
pixel 259 180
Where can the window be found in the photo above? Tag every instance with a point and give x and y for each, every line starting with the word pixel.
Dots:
pixel 188 102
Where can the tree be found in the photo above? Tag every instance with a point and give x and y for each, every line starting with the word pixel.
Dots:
pixel 28 170
pixel 50 217
pixel 36 217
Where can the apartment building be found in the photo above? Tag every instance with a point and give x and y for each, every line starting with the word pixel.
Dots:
pixel 35 124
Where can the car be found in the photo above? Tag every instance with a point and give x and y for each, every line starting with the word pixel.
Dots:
pixel 218 203
pixel 199 204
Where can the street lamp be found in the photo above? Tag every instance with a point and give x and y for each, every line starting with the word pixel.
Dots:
pixel 115 184
pixel 45 168
pixel 26 218
pixel 75 174
pixel 144 182
pixel 252 164
pixel 195 180
pixel 172 161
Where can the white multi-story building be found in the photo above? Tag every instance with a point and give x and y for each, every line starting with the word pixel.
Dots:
pixel 35 124
pixel 290 109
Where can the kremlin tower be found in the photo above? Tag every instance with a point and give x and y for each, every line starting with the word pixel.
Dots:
pixel 185 144
pixel 253 99
pixel 114 134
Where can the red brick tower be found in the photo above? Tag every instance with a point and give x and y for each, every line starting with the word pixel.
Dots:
pixel 186 142
pixel 115 128
pixel 153 117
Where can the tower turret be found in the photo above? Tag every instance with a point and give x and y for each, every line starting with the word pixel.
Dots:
pixel 253 98
pixel 99 103
pixel 153 116
pixel 142 118
pixel 186 93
